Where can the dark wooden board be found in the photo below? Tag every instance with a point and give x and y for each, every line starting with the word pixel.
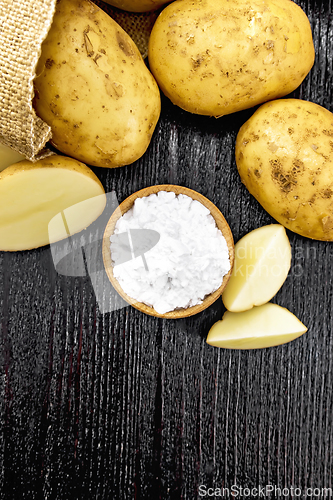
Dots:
pixel 121 405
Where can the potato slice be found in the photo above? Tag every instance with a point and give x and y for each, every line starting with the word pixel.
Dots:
pixel 8 156
pixel 264 326
pixel 32 194
pixel 262 263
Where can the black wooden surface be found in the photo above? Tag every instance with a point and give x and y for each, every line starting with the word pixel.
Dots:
pixel 121 405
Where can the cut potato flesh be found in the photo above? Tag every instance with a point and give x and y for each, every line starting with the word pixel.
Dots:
pixel 32 194
pixel 8 156
pixel 262 262
pixel 264 326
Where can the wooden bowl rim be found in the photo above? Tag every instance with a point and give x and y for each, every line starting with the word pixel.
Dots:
pixel 220 222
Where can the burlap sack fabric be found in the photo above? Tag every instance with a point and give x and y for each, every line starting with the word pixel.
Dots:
pixel 24 25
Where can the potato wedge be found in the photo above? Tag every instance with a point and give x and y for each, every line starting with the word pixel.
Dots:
pixel 32 194
pixel 262 263
pixel 264 326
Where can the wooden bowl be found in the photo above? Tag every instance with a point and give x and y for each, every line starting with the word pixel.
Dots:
pixel 124 207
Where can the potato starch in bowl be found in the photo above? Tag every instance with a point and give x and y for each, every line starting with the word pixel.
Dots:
pixel 188 262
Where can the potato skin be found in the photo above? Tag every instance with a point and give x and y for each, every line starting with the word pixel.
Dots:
pixel 137 5
pixel 215 57
pixel 94 89
pixel 284 158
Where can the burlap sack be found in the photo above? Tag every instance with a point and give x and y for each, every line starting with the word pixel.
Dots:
pixel 24 25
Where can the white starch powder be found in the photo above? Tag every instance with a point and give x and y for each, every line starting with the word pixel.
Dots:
pixel 188 262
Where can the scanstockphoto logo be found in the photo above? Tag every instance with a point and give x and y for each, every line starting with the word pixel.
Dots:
pixel 264 491
pixel 80 255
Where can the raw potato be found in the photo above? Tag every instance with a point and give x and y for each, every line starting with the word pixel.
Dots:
pixel 264 326
pixel 137 5
pixel 284 158
pixel 94 89
pixel 8 156
pixel 261 266
pixel 33 194
pixel 215 57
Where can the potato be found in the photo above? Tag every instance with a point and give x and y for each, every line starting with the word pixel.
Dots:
pixel 264 326
pixel 215 57
pixel 34 194
pixel 137 5
pixel 284 158
pixel 262 262
pixel 94 89
pixel 8 156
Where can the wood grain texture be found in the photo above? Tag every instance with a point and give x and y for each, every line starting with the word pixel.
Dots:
pixel 121 405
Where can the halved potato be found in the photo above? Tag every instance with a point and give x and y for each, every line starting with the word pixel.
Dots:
pixel 32 194
pixel 262 262
pixel 264 326
pixel 8 156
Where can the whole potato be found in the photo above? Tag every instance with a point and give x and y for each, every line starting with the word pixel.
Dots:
pixel 215 57
pixel 284 155
pixel 137 5
pixel 94 89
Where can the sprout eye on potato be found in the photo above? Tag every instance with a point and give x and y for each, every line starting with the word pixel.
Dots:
pixel 284 158
pixel 215 57
pixel 93 88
